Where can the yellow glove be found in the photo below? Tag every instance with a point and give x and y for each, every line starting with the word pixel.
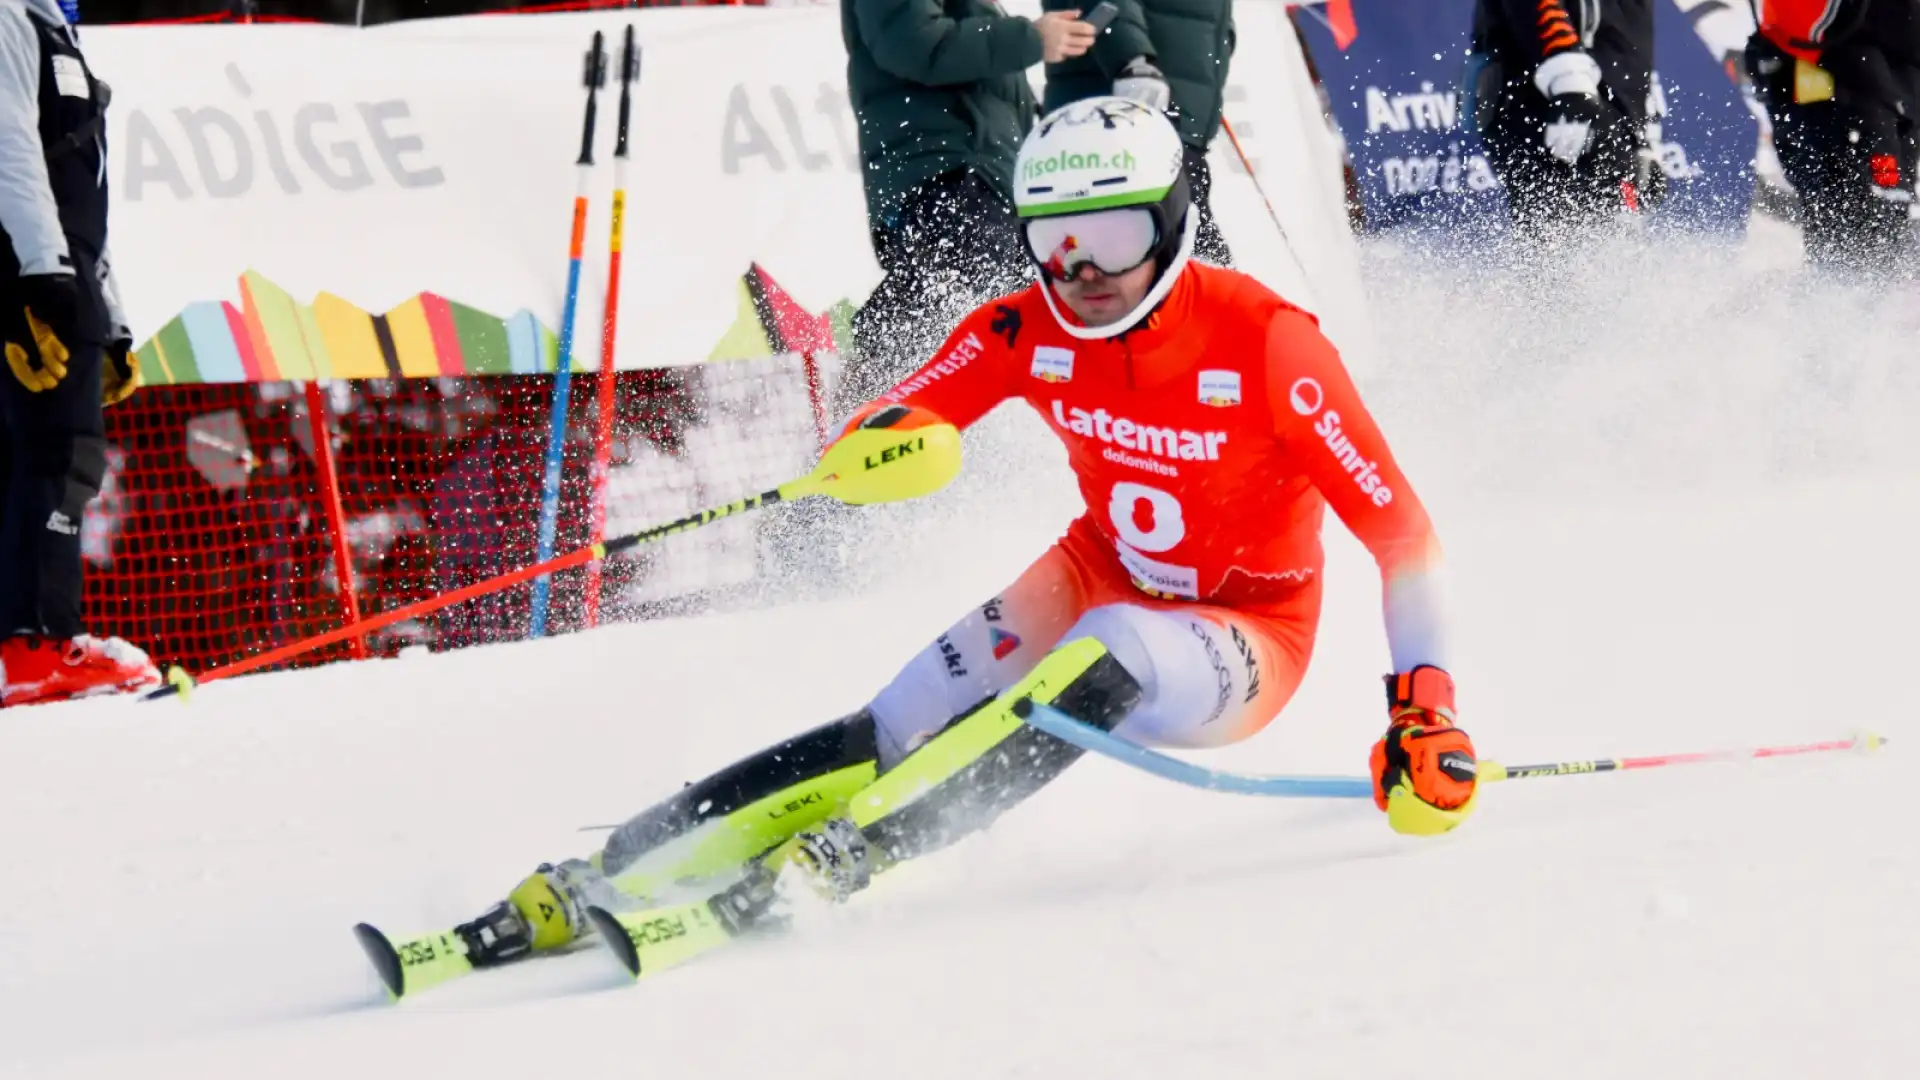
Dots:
pixel 37 345
pixel 119 372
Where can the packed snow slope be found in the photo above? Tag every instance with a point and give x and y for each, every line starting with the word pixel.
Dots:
pixel 1682 519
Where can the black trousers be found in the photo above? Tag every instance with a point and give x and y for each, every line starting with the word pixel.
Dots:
pixel 1839 156
pixel 1544 194
pixel 52 461
pixel 1208 244
pixel 954 245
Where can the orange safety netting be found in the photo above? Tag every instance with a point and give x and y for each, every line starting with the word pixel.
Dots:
pixel 211 540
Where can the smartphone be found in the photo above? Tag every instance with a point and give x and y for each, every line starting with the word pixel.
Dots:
pixel 1102 14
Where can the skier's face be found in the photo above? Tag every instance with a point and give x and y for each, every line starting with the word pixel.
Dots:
pixel 1099 298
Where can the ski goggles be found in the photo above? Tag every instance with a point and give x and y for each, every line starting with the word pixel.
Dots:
pixel 1112 241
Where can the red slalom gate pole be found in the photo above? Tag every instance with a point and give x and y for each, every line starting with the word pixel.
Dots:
pixel 1246 163
pixel 609 374
pixel 179 681
pixel 336 513
pixel 815 398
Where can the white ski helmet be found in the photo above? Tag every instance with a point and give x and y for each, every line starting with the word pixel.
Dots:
pixel 1106 153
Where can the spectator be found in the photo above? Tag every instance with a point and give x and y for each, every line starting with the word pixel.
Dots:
pixel 1174 56
pixel 941 95
pixel 1560 100
pixel 1841 81
pixel 68 355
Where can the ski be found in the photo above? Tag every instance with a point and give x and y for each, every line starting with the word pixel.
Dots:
pixel 654 939
pixel 416 963
pixel 645 941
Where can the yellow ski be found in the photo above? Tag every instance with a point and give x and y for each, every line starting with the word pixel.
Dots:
pixel 415 963
pixel 655 939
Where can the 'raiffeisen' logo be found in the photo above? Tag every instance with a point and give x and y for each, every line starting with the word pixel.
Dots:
pixel 1174 443
pixel 1035 168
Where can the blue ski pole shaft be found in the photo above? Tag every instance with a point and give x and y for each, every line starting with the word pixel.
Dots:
pixel 595 77
pixel 1095 741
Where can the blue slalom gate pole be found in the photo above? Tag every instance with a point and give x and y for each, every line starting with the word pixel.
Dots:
pixel 1095 741
pixel 596 77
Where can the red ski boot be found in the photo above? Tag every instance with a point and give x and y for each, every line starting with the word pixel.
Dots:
pixel 35 669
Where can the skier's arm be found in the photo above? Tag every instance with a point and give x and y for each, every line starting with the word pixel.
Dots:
pixel 27 208
pixel 967 376
pixel 1318 413
pixel 1541 28
pixel 916 41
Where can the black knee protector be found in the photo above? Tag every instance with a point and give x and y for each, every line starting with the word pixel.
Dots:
pixel 86 472
pixel 1012 770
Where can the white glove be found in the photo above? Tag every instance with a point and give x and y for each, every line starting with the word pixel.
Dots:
pixel 1568 132
pixel 1570 81
pixel 1142 82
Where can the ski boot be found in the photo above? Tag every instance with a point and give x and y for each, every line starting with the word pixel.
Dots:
pixel 834 859
pixel 542 913
pixel 35 669
pixel 829 862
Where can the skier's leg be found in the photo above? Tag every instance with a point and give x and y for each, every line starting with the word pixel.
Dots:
pixel 1187 675
pixel 715 826
pixel 1215 676
pixel 712 830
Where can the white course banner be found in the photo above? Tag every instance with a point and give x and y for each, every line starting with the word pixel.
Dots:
pixel 439 156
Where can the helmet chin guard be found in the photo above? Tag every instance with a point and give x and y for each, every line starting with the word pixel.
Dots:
pixel 1155 295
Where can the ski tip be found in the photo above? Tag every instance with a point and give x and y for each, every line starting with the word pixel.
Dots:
pixel 616 939
pixel 386 962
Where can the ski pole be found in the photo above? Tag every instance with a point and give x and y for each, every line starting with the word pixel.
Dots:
pixel 1247 163
pixel 1492 772
pixel 1094 740
pixel 867 465
pixel 603 431
pixel 596 77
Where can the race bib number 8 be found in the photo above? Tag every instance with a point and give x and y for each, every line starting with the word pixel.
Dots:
pixel 1146 519
pixel 1156 526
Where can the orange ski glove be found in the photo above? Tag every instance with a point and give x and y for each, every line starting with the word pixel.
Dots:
pixel 1424 770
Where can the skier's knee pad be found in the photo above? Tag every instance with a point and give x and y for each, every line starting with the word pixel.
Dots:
pixel 985 762
pixel 1195 681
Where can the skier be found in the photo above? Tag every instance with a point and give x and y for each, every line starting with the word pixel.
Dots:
pixel 1209 424
pixel 1560 90
pixel 1841 82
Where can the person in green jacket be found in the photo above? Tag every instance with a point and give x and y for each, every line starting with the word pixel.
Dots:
pixel 1172 55
pixel 940 93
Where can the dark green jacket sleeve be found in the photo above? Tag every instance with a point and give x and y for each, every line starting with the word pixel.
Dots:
pixel 1124 38
pixel 914 40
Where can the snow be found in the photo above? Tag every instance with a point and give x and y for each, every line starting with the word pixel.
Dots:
pixel 1689 526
